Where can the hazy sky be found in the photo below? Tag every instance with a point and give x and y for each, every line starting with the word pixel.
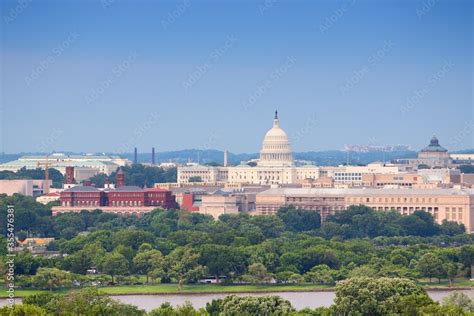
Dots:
pixel 110 75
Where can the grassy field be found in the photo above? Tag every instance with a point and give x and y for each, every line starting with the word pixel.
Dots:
pixel 212 288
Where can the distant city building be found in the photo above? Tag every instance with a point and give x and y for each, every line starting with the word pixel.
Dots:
pixel 376 148
pixel 25 187
pixel 47 198
pixel 120 199
pixel 432 156
pixel 452 204
pixel 85 165
pixel 275 166
pixel 462 159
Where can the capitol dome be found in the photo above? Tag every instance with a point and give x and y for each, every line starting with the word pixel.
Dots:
pixel 276 151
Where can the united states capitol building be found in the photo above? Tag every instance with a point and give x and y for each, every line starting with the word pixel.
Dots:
pixel 275 166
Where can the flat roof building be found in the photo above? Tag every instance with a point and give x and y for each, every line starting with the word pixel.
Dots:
pixel 452 204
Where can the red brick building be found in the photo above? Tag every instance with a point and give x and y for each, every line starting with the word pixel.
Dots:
pixel 122 199
pixel 84 196
pixel 160 197
pixel 126 196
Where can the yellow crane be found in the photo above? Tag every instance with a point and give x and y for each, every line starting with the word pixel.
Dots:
pixel 46 174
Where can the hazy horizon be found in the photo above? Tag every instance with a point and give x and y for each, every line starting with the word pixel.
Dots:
pixel 111 75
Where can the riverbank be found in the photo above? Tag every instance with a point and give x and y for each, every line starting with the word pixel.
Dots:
pixel 172 289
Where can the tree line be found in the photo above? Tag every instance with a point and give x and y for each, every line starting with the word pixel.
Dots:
pixel 289 247
pixel 357 296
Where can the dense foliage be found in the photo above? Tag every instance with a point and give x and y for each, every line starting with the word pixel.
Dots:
pixel 290 247
pixel 358 296
pixel 378 251
pixel 139 175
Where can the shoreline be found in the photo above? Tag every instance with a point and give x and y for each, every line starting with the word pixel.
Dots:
pixel 226 292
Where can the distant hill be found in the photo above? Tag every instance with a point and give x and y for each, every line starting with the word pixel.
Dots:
pixel 322 158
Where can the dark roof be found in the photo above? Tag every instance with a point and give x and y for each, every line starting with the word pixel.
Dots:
pixel 81 188
pixel 128 188
pixel 434 146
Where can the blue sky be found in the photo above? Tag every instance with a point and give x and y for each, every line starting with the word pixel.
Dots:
pixel 109 75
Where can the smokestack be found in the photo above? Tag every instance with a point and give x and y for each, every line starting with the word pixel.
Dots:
pixel 153 155
pixel 225 158
pixel 135 156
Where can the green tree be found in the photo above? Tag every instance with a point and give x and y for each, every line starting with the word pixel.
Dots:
pixel 222 260
pixel 320 274
pixel 250 305
pixel 459 299
pixel 90 302
pixel 114 264
pixel 369 296
pixel 257 274
pixel 299 220
pixel 466 256
pixel 430 266
pixel 451 269
pixel 22 310
pixel 147 261
pixel 183 265
pixel 51 278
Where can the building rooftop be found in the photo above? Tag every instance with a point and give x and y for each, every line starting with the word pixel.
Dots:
pixel 80 188
pixel 366 191
pixel 434 146
pixel 128 188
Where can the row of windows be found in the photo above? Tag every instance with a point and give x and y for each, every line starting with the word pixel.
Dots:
pixel 126 203
pixel 80 203
pixel 451 213
pixel 391 199
pixel 127 194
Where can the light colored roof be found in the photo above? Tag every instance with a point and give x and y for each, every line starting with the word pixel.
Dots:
pixel 80 188
pixel 365 191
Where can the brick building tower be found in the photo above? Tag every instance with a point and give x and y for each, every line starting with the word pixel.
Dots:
pixel 69 179
pixel 120 178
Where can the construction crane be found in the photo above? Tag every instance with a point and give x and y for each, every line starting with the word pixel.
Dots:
pixel 46 174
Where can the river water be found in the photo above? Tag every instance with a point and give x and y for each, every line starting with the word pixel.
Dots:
pixel 299 300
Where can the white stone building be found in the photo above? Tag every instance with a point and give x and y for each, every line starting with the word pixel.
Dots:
pixel 276 166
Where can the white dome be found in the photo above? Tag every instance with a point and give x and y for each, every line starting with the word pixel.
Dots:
pixel 275 133
pixel 276 151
